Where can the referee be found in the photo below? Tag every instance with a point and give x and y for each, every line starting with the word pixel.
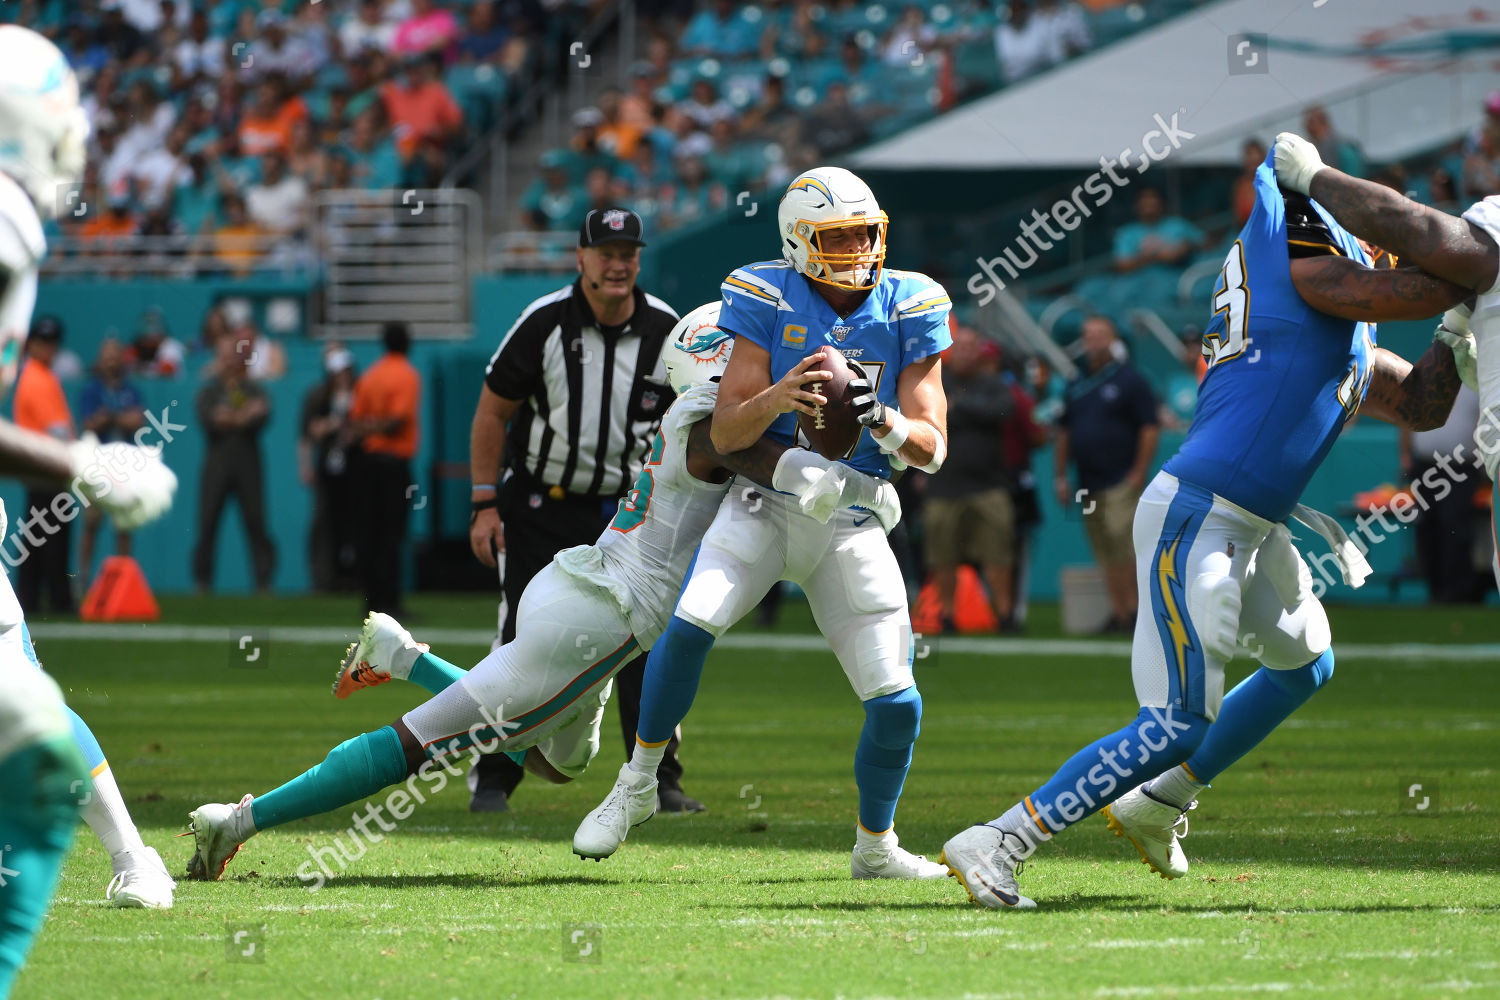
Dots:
pixel 573 397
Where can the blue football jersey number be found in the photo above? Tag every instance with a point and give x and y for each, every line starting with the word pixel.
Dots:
pixel 1231 308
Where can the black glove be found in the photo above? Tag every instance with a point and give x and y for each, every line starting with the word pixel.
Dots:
pixel 868 410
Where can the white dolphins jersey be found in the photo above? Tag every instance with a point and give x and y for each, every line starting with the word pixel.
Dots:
pixel 1485 325
pixel 645 552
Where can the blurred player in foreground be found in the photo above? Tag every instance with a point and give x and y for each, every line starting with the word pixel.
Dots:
pixel 832 289
pixel 1465 251
pixel 541 697
pixel 1292 356
pixel 43 777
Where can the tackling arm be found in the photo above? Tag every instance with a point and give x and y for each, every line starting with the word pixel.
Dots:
pixel 1442 244
pixel 1416 397
pixel 1348 289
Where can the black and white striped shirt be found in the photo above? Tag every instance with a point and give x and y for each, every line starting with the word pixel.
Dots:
pixel 591 397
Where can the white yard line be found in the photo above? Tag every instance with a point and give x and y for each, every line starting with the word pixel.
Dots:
pixel 1411 653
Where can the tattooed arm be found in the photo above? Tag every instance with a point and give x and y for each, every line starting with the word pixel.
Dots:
pixel 705 462
pixel 1417 396
pixel 1346 288
pixel 1441 244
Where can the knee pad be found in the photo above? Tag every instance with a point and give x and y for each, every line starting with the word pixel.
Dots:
pixel 894 720
pixel 1305 681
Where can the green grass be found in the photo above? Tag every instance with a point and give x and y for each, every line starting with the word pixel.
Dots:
pixel 1307 878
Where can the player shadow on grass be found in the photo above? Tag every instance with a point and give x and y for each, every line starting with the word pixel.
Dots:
pixel 491 880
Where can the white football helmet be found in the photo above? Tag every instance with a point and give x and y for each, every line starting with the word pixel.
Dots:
pixel 43 131
pixel 697 351
pixel 825 198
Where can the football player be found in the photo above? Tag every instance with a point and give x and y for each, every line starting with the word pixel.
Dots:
pixel 1464 250
pixel 43 778
pixel 831 288
pixel 1291 357
pixel 541 697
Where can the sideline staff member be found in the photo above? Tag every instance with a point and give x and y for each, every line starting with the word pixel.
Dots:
pixel 577 383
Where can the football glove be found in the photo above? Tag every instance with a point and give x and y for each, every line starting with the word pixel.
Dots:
pixel 1454 331
pixel 128 482
pixel 868 410
pixel 1296 160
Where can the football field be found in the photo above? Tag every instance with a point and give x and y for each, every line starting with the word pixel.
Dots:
pixel 1314 872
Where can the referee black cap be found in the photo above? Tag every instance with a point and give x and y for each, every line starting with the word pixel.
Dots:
pixel 610 225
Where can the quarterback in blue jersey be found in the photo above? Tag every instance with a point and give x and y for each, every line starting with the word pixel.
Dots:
pixel 1292 356
pixel 830 288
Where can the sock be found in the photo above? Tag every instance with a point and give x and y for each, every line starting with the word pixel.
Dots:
pixel 1103 771
pixel 36 827
pixel 105 813
pixel 883 756
pixel 352 771
pixel 1257 705
pixel 1176 787
pixel 433 672
pixel 646 759
pixel 864 838
pixel 103 808
pixel 673 670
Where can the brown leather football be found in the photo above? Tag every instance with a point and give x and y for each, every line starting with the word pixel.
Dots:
pixel 832 430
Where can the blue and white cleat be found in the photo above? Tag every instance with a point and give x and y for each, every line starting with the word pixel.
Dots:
pixel 987 862
pixel 1156 828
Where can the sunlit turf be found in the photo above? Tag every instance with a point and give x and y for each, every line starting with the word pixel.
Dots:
pixel 1312 875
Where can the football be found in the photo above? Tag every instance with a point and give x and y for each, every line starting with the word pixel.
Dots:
pixel 832 429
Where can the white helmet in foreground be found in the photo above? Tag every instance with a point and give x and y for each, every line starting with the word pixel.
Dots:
pixel 43 131
pixel 697 351
pixel 824 199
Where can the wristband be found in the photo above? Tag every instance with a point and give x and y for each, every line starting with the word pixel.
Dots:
pixel 900 430
pixel 482 486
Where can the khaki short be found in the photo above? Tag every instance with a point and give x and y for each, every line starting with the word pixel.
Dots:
pixel 1110 524
pixel 981 527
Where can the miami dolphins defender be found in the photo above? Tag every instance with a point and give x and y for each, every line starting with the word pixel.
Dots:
pixel 830 288
pixel 1464 250
pixel 1292 356
pixel 541 697
pixel 42 134
pixel 43 776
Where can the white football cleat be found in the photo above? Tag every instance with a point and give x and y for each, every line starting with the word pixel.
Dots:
pixel 1154 827
pixel 219 830
pixel 987 862
pixel 384 650
pixel 141 881
pixel 629 804
pixel 887 859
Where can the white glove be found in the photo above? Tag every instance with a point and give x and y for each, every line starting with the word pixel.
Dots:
pixel 128 482
pixel 1454 331
pixel 823 487
pixel 1296 160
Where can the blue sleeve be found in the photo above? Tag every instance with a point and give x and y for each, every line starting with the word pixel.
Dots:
pixel 923 311
pixel 748 310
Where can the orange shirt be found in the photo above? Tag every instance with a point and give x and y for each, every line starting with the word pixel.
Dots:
pixel 273 134
pixel 390 388
pixel 40 403
pixel 427 112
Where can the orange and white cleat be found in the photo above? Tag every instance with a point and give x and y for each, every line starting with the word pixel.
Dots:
pixel 219 830
pixel 384 651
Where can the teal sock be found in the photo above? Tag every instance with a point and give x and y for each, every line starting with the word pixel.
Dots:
pixel 353 770
pixel 36 827
pixel 434 673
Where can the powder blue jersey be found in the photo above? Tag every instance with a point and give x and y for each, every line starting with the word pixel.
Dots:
pixel 1282 378
pixel 903 319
